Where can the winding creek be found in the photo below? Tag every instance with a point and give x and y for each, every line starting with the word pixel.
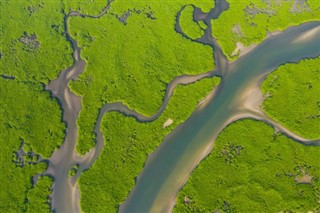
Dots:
pixel 169 166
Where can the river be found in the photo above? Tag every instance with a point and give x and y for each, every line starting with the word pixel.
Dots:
pixel 168 168
pixel 170 165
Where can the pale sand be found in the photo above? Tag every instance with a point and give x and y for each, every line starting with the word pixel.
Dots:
pixel 252 99
pixel 242 50
pixel 167 123
pixel 67 98
pixel 305 179
pixel 274 33
pixel 204 102
pixel 308 35
pixel 249 107
pixel 70 73
pixel 183 180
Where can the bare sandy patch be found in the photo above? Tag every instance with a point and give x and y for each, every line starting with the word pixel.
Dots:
pixel 167 123
pixel 242 50
pixel 305 179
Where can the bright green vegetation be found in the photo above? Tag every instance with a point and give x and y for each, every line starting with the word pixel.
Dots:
pixel 293 97
pixel 42 58
pixel 38 200
pixel 34 50
pixel 31 115
pixel 252 169
pixel 133 62
pixel 73 171
pixel 202 25
pixel 92 7
pixel 27 114
pixel 249 21
pixel 109 181
pixel 188 25
pixel 21 57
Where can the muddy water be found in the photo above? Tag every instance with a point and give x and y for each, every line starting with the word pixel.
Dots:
pixel 169 166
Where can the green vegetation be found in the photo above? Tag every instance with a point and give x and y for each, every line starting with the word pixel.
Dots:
pixel 248 22
pixel 27 114
pixel 202 24
pixel 132 61
pixel 33 50
pixel 38 59
pixel 132 53
pixel 38 200
pixel 74 170
pixel 188 25
pixel 109 181
pixel 252 169
pixel 92 7
pixel 293 97
pixel 21 56
pixel 248 156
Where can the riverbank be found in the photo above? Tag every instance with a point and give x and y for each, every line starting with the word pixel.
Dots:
pixel 175 157
pixel 247 157
pixel 131 147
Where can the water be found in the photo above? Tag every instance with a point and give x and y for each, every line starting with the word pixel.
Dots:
pixel 170 165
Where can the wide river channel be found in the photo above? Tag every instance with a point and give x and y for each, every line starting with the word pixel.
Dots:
pixel 170 165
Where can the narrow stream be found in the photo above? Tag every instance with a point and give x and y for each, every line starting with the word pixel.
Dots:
pixel 169 166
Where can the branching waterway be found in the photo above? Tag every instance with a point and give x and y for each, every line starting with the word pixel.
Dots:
pixel 238 96
pixel 168 167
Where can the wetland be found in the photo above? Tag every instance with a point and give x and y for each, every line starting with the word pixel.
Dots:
pixel 168 122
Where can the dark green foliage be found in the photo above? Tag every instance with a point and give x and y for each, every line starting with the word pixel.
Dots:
pixel 230 152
